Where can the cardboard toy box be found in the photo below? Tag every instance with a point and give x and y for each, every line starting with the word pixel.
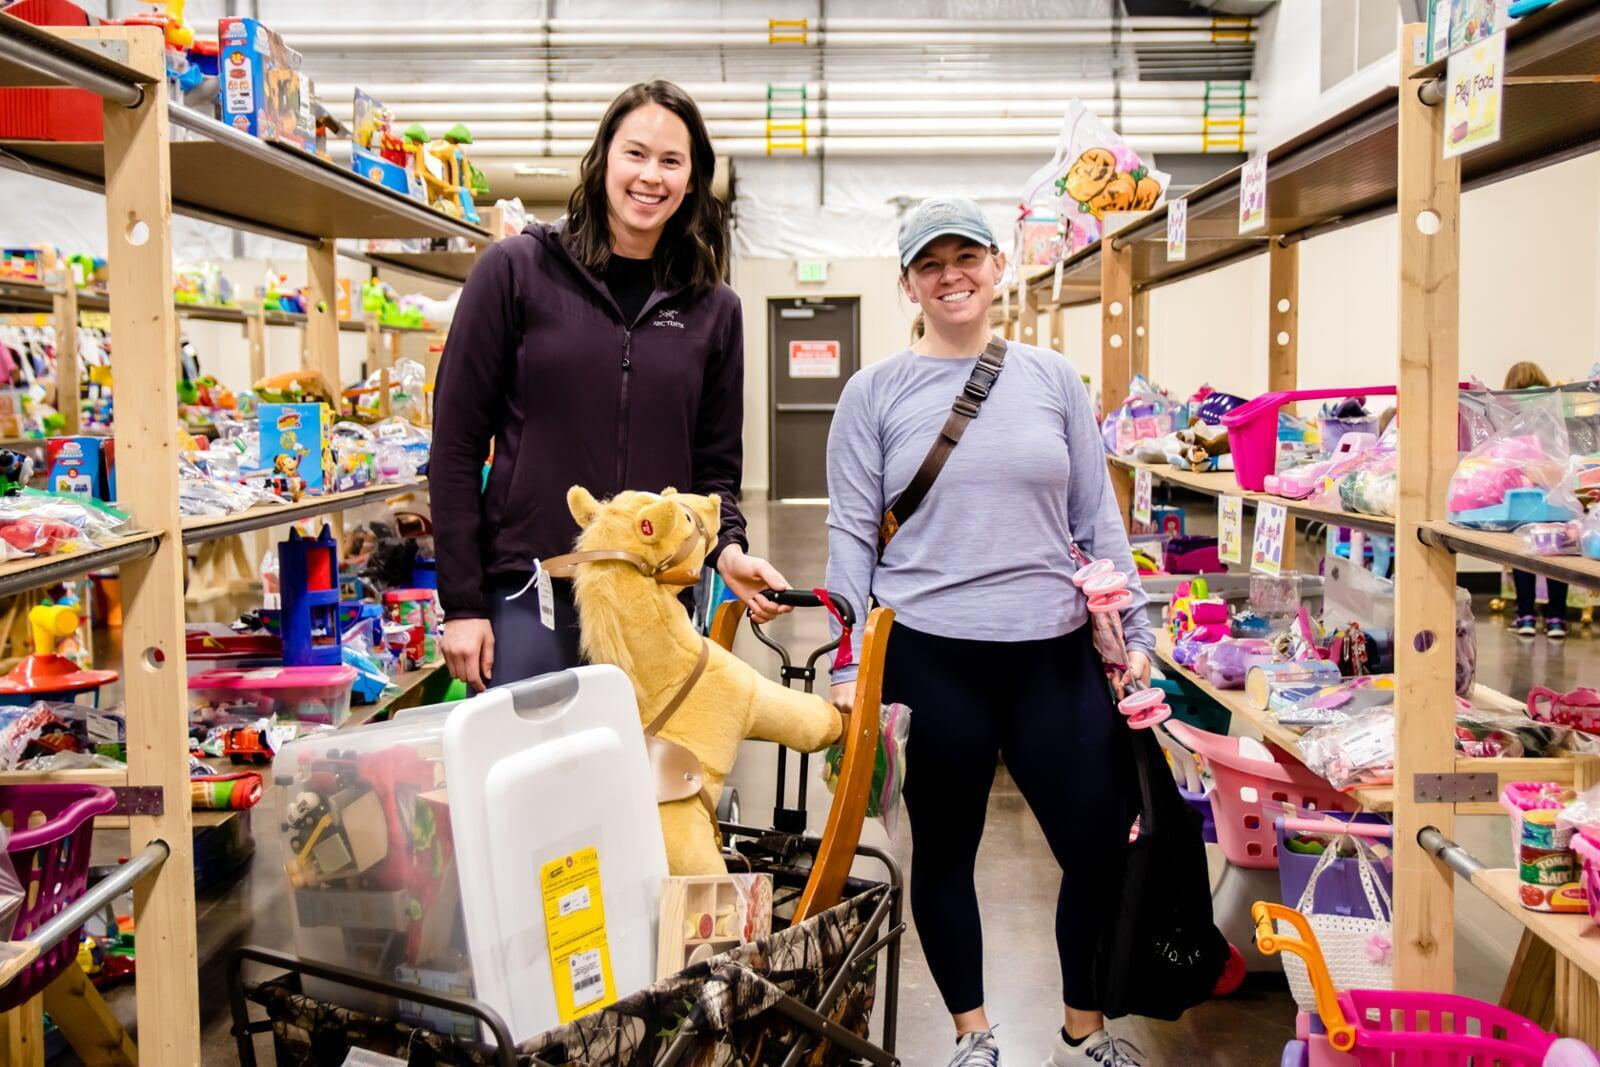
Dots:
pixel 83 466
pixel 263 90
pixel 294 445
pixel 372 126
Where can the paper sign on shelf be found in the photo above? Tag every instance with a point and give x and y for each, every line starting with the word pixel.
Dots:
pixel 575 924
pixel 1253 195
pixel 1230 529
pixel 1177 231
pixel 1141 497
pixel 1475 91
pixel 813 359
pixel 1267 555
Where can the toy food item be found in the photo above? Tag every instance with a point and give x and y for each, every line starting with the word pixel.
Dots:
pixel 630 618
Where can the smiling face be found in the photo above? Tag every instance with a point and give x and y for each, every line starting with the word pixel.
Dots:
pixel 952 279
pixel 647 176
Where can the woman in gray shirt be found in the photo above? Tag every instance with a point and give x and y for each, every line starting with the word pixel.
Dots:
pixel 990 648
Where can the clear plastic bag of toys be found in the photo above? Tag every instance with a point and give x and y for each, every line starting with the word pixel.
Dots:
pixel 888 770
pixel 39 524
pixel 1356 752
pixel 402 449
pixel 1519 475
pixel 1093 174
pixel 1146 415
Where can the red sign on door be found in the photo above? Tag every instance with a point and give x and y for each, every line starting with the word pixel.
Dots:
pixel 813 359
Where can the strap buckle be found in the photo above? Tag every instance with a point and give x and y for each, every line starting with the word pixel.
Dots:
pixel 977 390
pixel 966 407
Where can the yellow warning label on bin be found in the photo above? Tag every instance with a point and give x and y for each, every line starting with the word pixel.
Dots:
pixel 575 923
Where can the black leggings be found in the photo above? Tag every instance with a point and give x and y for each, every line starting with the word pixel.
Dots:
pixel 1045 706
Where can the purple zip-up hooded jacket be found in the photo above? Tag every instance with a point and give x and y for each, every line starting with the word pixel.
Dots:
pixel 540 361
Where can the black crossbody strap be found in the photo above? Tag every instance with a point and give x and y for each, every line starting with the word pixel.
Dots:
pixel 984 374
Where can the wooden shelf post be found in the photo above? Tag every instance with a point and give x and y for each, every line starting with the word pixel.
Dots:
pixel 1116 349
pixel 378 363
pixel 139 231
pixel 1139 362
pixel 322 316
pixel 64 301
pixel 1283 317
pixel 255 333
pixel 1428 201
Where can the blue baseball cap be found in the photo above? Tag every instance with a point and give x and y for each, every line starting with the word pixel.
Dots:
pixel 941 215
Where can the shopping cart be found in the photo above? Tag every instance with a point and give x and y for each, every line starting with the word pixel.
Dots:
pixel 771 1002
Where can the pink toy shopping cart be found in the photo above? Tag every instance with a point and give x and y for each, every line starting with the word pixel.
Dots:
pixel 1383 1028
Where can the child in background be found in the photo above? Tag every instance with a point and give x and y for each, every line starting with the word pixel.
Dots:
pixel 1526 375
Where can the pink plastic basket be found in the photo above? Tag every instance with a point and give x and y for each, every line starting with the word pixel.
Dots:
pixel 1253 429
pixel 1402 1029
pixel 51 856
pixel 1250 793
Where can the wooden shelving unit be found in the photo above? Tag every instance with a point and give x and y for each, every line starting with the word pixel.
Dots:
pixel 147 172
pixel 1380 156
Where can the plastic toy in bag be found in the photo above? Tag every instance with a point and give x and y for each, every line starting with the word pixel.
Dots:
pixel 888 770
pixel 1518 475
pixel 1147 414
pixel 1226 663
pixel 1358 751
pixel 1093 174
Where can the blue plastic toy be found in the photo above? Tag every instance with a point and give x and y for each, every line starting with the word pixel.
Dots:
pixel 308 580
pixel 1520 507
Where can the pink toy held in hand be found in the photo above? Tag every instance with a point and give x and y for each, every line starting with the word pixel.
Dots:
pixel 1108 594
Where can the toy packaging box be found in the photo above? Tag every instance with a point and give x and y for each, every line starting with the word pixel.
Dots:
pixel 377 153
pixel 704 916
pixel 295 448
pixel 264 92
pixel 83 466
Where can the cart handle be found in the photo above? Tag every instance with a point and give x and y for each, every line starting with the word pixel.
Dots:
pixel 1337 826
pixel 805 598
pixel 1341 1035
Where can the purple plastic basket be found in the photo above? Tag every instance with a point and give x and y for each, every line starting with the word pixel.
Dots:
pixel 1201 802
pixel 1339 890
pixel 52 863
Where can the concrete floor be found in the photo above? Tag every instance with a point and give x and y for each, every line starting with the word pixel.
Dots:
pixel 1017 876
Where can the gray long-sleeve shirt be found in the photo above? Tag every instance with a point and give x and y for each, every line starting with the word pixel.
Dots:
pixel 986 556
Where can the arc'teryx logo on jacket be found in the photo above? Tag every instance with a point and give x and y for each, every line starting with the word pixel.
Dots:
pixel 668 317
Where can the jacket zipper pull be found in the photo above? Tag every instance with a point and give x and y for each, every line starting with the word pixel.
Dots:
pixel 627 346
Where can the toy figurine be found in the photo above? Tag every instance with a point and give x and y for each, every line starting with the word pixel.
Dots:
pixel 15 472
pixel 286 481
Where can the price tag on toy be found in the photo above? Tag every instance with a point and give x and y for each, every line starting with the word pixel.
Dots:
pixel 1230 529
pixel 1253 195
pixel 1267 555
pixel 575 924
pixel 1177 231
pixel 1474 88
pixel 547 597
pixel 1141 498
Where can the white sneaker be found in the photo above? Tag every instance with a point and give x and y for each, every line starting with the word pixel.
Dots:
pixel 976 1048
pixel 1099 1047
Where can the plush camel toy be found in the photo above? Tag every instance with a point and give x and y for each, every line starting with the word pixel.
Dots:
pixel 649 546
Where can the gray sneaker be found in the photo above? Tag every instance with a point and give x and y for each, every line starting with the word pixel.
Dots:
pixel 1098 1048
pixel 976 1048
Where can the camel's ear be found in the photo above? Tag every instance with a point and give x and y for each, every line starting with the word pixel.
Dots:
pixel 711 513
pixel 656 520
pixel 583 505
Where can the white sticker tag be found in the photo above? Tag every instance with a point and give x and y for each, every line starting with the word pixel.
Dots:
pixel 360 1057
pixel 577 900
pixel 547 597
pixel 588 984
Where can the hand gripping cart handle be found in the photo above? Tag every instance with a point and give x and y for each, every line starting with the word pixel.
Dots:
pixel 725 624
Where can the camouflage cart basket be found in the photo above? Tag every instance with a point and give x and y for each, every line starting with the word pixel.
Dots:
pixel 803 995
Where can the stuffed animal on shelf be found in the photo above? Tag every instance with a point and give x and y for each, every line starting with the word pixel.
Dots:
pixel 697 701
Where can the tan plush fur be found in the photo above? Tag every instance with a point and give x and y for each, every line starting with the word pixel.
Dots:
pixel 639 625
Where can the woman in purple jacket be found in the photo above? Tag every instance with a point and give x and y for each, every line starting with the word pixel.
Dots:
pixel 602 351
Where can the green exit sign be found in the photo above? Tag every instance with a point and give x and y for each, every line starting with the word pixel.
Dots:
pixel 811 270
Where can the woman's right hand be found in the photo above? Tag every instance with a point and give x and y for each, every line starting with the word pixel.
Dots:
pixel 468 647
pixel 843 695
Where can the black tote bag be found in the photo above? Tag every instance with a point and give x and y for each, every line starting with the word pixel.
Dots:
pixel 1163 954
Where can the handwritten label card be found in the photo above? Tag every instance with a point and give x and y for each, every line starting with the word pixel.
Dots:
pixel 1141 498
pixel 1475 84
pixel 1230 529
pixel 1271 522
pixel 1253 195
pixel 1177 231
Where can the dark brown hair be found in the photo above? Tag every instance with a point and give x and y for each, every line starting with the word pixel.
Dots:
pixel 693 249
